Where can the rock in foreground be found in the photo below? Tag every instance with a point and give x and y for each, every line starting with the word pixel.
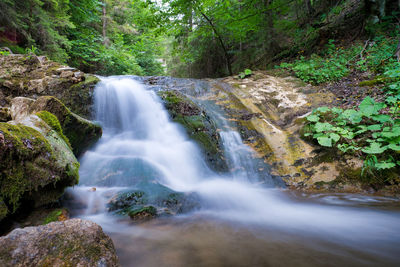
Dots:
pixel 73 242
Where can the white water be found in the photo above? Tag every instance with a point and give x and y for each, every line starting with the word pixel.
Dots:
pixel 141 143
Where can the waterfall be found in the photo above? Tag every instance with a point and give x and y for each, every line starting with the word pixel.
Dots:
pixel 142 146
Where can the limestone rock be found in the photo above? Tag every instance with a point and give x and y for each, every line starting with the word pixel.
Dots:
pixel 32 76
pixel 73 242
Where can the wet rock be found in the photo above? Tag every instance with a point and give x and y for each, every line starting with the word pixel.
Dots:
pixel 198 125
pixel 73 242
pixel 152 200
pixel 32 76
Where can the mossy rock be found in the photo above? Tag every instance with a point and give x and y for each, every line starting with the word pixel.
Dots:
pixel 198 125
pixel 80 132
pixel 166 201
pixel 32 76
pixel 143 213
pixel 5 114
pixel 35 166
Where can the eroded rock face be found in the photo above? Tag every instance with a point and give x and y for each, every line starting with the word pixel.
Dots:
pixel 32 76
pixel 73 242
pixel 198 126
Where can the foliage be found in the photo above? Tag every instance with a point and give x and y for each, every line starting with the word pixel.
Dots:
pixel 71 31
pixel 332 65
pixel 372 131
pixel 245 74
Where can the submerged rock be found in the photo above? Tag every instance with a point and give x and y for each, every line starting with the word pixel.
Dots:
pixel 198 125
pixel 152 200
pixel 32 76
pixel 73 242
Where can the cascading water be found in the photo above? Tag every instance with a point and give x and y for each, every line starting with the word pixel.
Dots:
pixel 141 147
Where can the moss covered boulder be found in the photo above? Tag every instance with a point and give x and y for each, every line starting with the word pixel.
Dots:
pixel 198 125
pixel 35 165
pixel 80 132
pixel 73 242
pixel 32 76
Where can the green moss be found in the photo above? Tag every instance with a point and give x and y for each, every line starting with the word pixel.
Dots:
pixel 53 122
pixel 73 171
pixel 89 80
pixel 3 209
pixel 23 147
pixel 80 132
pixel 53 216
pixel 147 211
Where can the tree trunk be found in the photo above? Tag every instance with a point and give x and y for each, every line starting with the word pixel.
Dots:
pixel 397 53
pixel 104 23
pixel 221 42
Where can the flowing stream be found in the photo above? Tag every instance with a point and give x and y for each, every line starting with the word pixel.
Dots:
pixel 239 221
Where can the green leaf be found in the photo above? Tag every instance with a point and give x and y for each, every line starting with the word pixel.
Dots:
pixel 247 72
pixel 352 115
pixel 325 141
pixel 313 118
pixel 374 148
pixel 382 118
pixel 395 147
pixel 384 165
pixel 323 126
pixel 335 137
pixel 369 107
pixel 375 127
pixel 322 109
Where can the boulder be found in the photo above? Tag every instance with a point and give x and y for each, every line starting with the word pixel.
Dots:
pixel 35 165
pixel 80 132
pixel 32 76
pixel 151 200
pixel 36 161
pixel 198 125
pixel 72 242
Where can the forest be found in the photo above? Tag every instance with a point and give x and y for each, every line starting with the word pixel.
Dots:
pixel 199 133
pixel 191 38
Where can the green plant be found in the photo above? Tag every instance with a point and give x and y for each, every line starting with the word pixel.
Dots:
pixel 367 132
pixel 245 74
pixel 331 65
pixel 33 50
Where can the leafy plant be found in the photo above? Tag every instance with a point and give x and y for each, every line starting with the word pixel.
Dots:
pixel 245 74
pixel 366 132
